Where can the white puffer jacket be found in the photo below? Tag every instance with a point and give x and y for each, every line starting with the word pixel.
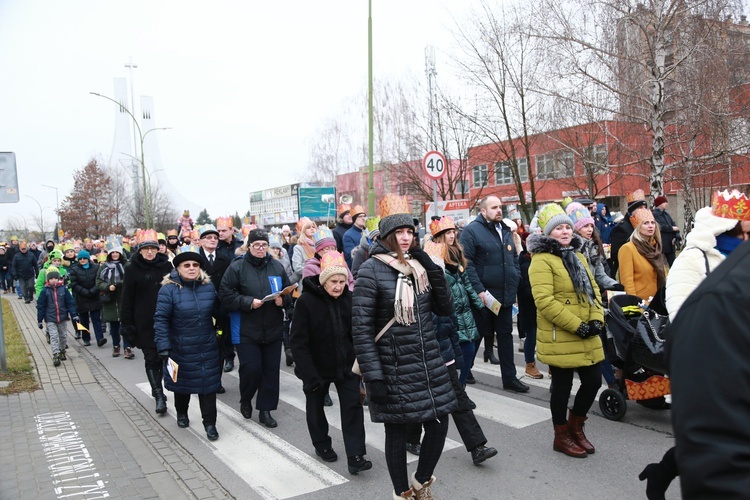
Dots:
pixel 689 268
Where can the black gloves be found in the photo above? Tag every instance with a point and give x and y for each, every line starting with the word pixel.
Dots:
pixel 377 391
pixel 421 256
pixel 128 333
pixel 164 355
pixel 584 331
pixel 596 327
pixel 312 386
pixel 40 325
pixel 617 287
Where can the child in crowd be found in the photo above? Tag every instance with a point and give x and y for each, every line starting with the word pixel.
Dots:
pixel 54 305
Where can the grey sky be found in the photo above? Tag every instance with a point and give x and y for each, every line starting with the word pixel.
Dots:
pixel 243 84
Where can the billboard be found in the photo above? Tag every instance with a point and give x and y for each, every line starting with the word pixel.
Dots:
pixel 458 209
pixel 317 203
pixel 8 178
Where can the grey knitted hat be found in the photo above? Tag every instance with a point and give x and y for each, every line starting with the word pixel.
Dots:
pixel 392 222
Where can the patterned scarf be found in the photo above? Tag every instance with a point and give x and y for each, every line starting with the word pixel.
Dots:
pixel 653 255
pixel 578 275
pixel 410 276
pixel 112 272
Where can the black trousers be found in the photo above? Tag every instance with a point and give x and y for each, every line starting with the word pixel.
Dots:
pixel 151 359
pixel 207 402
pixel 226 347
pixel 259 372
pixel 352 417
pixel 395 452
pixel 501 325
pixel 562 384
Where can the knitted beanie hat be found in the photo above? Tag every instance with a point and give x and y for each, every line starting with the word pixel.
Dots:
pixel 579 214
pixel 52 272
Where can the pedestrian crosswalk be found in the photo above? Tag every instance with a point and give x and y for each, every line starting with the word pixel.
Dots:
pixel 246 447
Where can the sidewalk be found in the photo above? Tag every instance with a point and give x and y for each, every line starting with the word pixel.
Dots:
pixel 83 435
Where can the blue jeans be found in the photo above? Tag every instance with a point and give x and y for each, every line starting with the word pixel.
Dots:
pixel 114 332
pixel 469 350
pixel 96 322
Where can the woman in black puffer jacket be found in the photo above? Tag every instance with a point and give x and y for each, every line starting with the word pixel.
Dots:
pixel 185 333
pixel 406 377
pixel 86 293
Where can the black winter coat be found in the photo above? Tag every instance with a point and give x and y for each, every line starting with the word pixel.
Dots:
pixel 139 292
pixel 228 249
pixel 183 325
pixel 619 236
pixel 338 235
pixel 407 358
pixel 4 263
pixel 110 273
pixel 492 264
pixel 711 407
pixel 83 285
pixel 666 223
pixel 245 281
pixel 321 335
pixel 23 265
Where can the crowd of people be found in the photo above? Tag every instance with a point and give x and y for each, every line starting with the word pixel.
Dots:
pixel 391 321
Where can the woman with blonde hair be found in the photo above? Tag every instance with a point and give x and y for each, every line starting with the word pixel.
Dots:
pixel 304 248
pixel 642 264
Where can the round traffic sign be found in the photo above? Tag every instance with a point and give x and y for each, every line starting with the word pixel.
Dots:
pixel 434 165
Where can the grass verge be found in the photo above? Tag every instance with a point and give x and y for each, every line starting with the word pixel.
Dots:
pixel 20 368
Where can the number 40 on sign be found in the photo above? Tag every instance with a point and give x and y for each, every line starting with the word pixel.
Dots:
pixel 434 165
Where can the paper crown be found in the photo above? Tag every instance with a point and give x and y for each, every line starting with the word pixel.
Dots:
pixel 514 214
pixel 147 236
pixel 195 234
pixel 67 246
pixel 392 204
pixel 274 240
pixel 224 222
pixel 52 272
pixel 187 252
pixel 161 237
pixel 637 195
pixel 372 224
pixel 171 232
pixel 322 233
pixel 101 257
pixel 436 250
pixel 331 264
pixel 188 248
pixel 734 205
pixel 303 223
pixel 356 210
pixel 114 243
pixel 343 209
pixel 640 214
pixel 443 224
pixel 207 229
pixel 186 213
pixel 246 229
pixel 566 201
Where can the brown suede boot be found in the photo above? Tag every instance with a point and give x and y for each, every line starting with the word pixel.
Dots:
pixel 575 425
pixel 565 444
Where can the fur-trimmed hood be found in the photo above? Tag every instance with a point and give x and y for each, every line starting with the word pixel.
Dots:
pixel 539 243
pixel 174 278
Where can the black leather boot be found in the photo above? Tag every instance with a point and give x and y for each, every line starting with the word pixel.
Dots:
pixel 659 476
pixel 154 378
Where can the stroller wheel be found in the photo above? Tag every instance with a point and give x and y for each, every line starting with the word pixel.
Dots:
pixel 612 404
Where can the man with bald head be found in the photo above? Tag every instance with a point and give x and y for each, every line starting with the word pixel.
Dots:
pixel 493 267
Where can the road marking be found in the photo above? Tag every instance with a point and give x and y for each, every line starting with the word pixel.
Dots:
pixel 507 411
pixel 261 458
pixel 290 391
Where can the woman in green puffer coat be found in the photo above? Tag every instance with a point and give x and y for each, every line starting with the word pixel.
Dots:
pixel 465 299
pixel 570 319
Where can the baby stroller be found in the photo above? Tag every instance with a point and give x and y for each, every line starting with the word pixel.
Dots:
pixel 635 348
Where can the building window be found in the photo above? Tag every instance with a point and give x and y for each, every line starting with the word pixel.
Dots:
pixel 480 176
pixel 555 165
pixel 504 173
pixel 595 159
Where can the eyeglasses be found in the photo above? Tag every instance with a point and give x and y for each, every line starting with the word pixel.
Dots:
pixel 188 265
pixel 210 237
pixel 149 249
pixel 259 246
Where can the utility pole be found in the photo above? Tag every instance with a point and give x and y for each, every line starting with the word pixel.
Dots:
pixel 431 71
pixel 131 66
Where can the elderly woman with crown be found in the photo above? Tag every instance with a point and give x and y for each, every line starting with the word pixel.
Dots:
pixel 323 352
pixel 325 243
pixel 140 288
pixel 186 337
pixel 397 290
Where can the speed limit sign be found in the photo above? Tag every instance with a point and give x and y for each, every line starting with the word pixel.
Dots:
pixel 434 165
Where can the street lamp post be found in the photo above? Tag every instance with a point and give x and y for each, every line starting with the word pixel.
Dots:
pixel 57 204
pixel 142 136
pixel 41 217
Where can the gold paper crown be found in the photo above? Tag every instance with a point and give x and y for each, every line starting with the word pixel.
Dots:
pixel 393 204
pixel 332 259
pixel 195 234
pixel 637 195
pixel 639 215
pixel 443 224
pixel 372 223
pixel 734 205
pixel 161 237
pixel 302 223
pixel 224 222
pixel 322 233
pixel 67 246
pixel 344 208
pixel 435 249
pixel 147 235
pixel 357 209
pixel 246 230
